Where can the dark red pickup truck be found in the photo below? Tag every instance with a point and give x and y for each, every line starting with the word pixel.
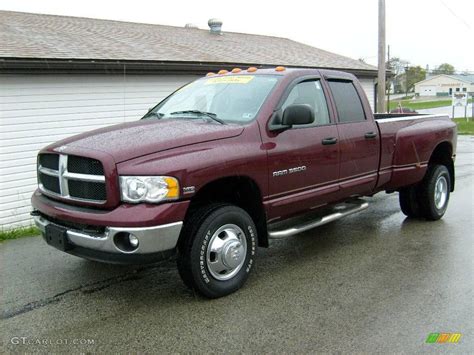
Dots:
pixel 232 160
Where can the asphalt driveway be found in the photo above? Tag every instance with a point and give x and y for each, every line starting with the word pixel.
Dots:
pixel 373 282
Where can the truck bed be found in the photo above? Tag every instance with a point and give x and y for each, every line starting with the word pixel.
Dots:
pixel 407 142
pixel 382 116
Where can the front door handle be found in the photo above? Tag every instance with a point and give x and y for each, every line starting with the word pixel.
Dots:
pixel 370 135
pixel 328 141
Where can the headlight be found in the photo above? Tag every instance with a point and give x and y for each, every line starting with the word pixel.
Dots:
pixel 148 188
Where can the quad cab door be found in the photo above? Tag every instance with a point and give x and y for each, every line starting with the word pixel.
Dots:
pixel 359 141
pixel 303 163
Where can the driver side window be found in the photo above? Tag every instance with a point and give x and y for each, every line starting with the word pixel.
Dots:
pixel 310 93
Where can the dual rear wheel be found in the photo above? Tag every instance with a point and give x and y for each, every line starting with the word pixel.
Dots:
pixel 430 198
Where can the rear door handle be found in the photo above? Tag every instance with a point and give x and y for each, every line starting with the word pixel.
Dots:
pixel 370 135
pixel 328 141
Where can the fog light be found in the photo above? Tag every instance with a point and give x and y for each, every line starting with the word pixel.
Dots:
pixel 126 242
pixel 133 240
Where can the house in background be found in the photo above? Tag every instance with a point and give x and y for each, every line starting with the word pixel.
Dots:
pixel 445 85
pixel 61 76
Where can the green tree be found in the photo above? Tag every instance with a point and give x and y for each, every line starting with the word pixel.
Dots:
pixel 444 68
pixel 412 76
pixel 397 66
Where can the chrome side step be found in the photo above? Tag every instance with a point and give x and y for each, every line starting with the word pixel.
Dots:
pixel 337 212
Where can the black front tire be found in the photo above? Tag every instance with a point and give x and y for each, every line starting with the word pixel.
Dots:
pixel 193 264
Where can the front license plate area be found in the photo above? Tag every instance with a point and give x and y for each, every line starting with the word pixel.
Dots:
pixel 56 236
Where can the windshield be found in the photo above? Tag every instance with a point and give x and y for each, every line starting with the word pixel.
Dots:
pixel 235 98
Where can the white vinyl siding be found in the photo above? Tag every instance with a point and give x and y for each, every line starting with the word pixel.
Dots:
pixel 368 86
pixel 36 110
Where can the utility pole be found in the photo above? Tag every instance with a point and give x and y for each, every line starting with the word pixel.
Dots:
pixel 390 81
pixel 381 74
pixel 406 81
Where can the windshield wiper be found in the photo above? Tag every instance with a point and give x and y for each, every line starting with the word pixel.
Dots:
pixel 211 115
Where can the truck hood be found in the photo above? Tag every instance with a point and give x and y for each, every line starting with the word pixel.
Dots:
pixel 131 140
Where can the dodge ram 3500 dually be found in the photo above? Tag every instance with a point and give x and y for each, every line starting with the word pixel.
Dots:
pixel 232 160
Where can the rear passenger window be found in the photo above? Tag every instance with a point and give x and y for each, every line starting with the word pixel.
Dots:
pixel 348 104
pixel 311 93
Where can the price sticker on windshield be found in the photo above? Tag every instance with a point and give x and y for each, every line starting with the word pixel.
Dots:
pixel 237 79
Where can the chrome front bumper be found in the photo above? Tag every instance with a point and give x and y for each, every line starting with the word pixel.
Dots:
pixel 151 239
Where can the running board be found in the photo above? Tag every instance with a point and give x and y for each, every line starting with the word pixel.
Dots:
pixel 337 212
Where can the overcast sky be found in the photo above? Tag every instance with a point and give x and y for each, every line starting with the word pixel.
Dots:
pixel 424 32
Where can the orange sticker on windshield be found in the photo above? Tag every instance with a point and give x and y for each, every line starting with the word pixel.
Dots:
pixel 232 79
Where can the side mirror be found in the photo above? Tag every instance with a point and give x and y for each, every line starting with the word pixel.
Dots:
pixel 297 114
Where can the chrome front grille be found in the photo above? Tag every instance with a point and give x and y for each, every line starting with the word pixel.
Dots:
pixel 72 177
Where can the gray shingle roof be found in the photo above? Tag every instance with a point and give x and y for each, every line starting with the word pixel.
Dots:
pixel 25 35
pixel 465 77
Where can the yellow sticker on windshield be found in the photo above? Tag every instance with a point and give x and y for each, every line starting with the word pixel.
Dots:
pixel 232 79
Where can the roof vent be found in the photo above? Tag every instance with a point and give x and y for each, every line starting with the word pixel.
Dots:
pixel 215 25
pixel 190 25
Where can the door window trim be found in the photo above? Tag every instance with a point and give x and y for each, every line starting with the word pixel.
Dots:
pixel 299 80
pixel 347 80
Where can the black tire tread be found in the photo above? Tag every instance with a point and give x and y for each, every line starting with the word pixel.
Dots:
pixel 184 248
pixel 409 202
pixel 427 208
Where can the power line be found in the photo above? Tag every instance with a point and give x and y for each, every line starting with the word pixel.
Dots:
pixel 455 15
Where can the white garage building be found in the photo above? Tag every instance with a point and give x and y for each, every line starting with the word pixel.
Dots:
pixel 445 85
pixel 61 76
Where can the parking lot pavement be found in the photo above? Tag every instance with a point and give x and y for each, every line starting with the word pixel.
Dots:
pixel 373 282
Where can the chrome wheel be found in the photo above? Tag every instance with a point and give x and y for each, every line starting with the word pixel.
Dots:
pixel 441 192
pixel 226 252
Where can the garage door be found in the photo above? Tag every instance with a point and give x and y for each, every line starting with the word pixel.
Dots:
pixel 428 90
pixel 38 110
